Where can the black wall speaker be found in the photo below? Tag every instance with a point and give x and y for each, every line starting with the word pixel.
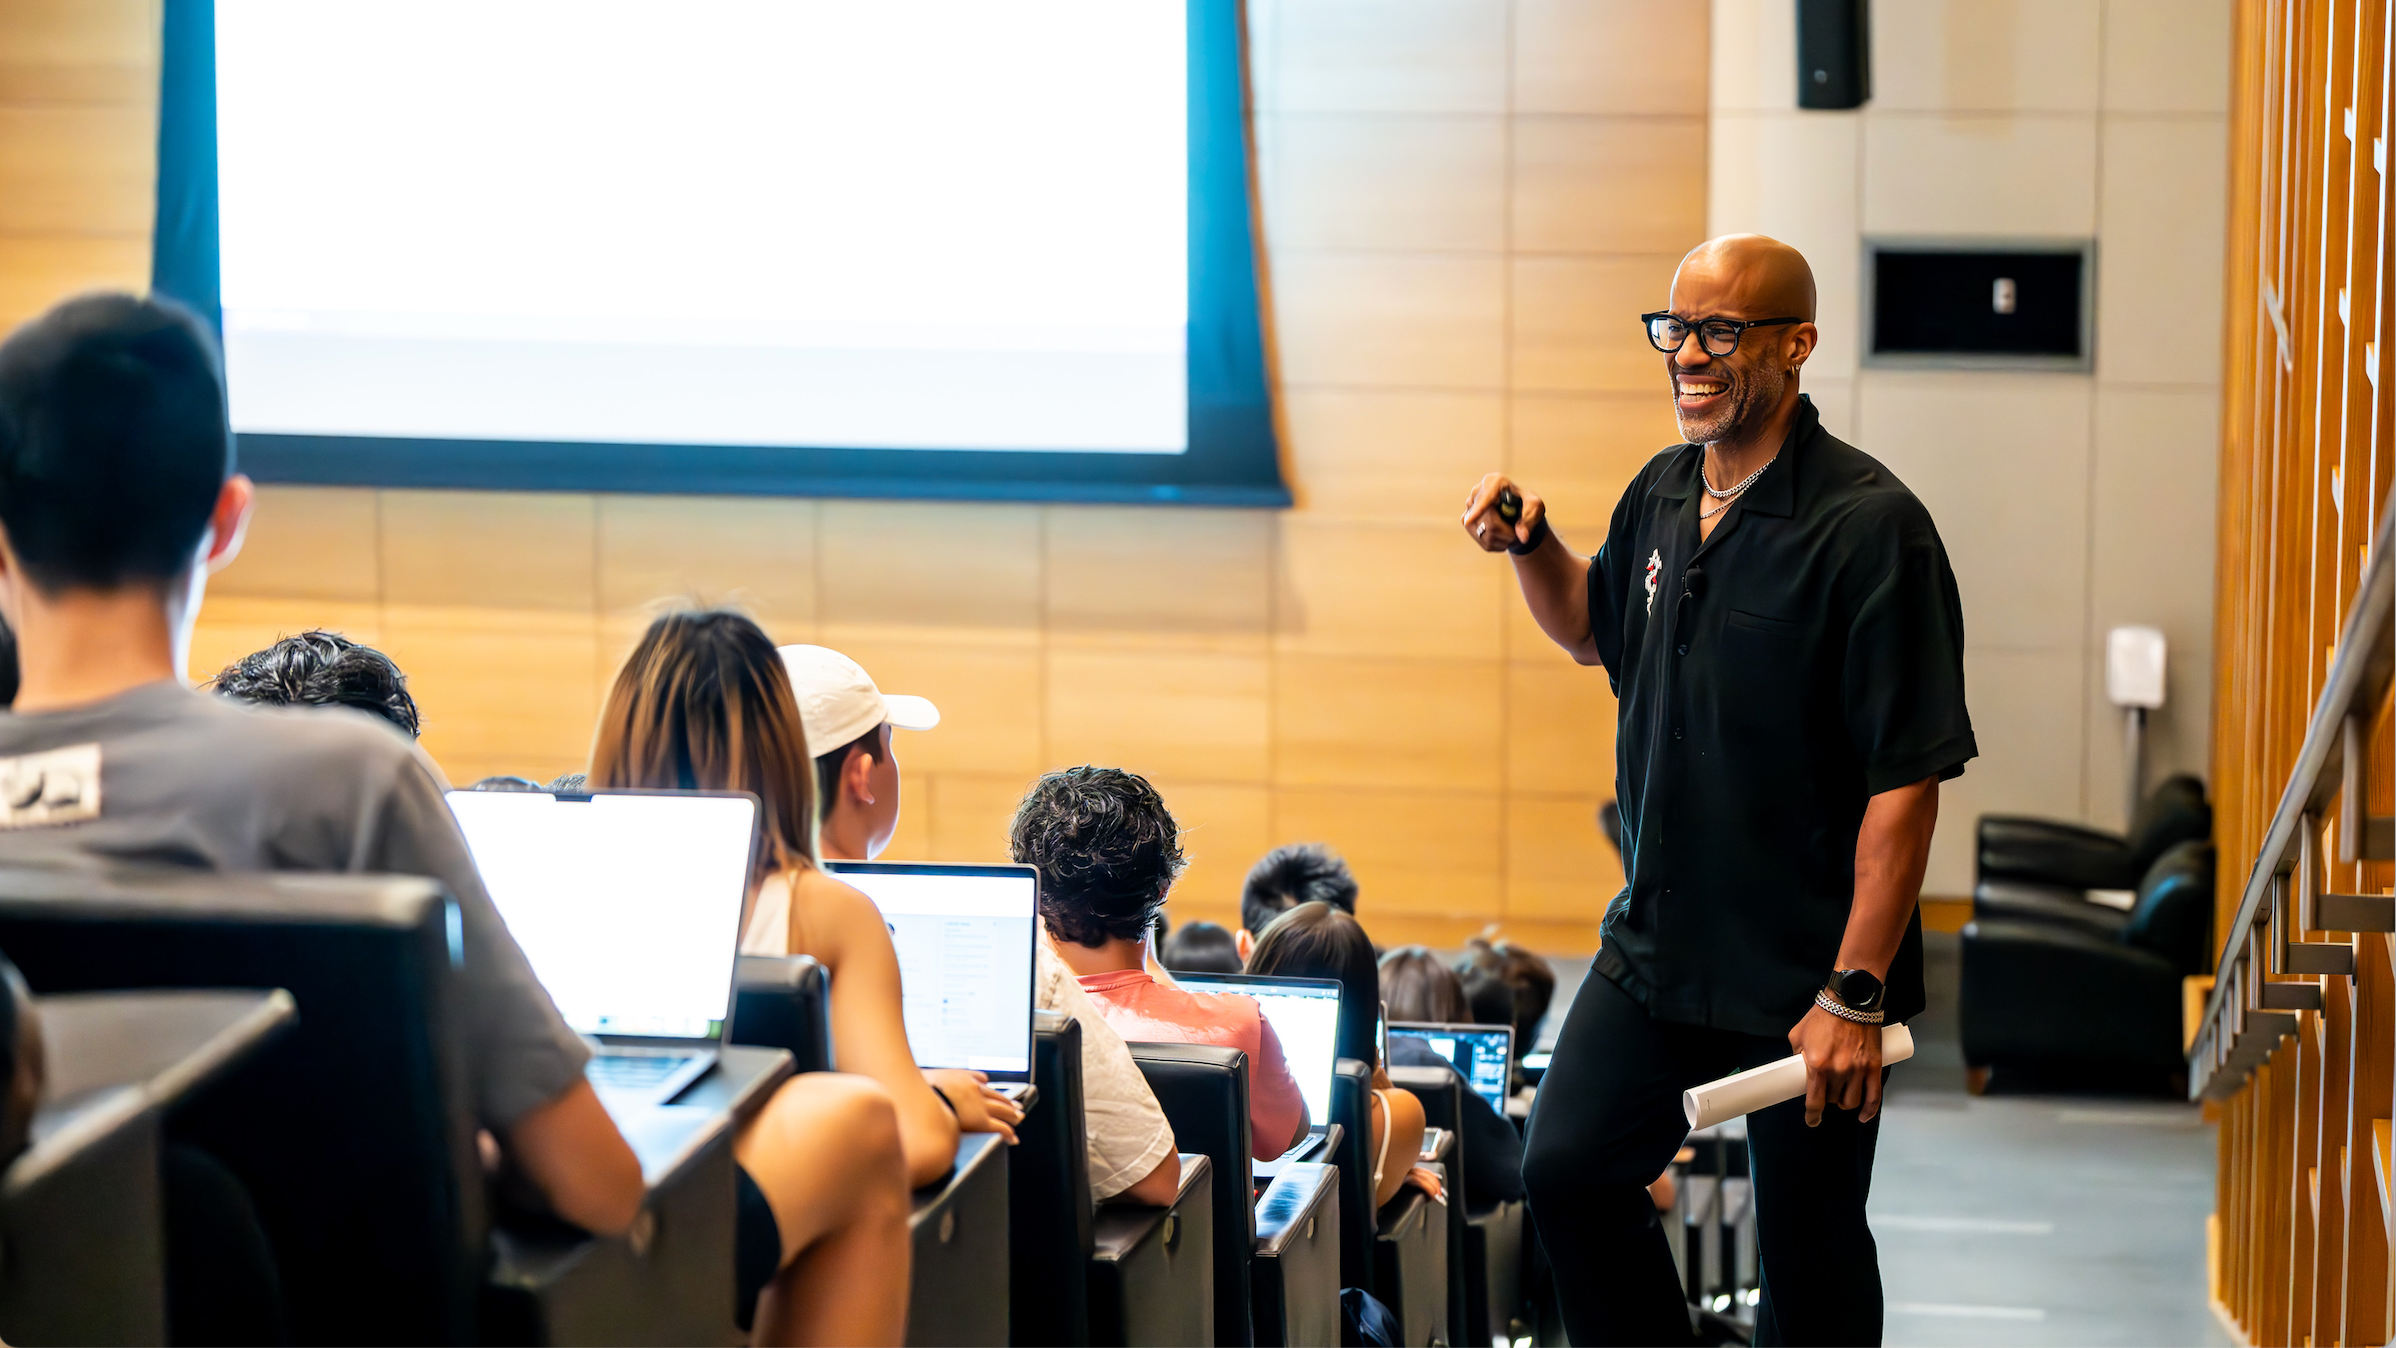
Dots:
pixel 1834 53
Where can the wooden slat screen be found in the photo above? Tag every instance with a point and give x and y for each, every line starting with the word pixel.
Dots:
pixel 2302 1254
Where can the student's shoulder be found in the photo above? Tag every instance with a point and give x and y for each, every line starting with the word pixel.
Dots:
pixel 319 746
pixel 836 915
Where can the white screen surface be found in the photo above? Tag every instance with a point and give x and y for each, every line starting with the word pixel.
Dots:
pixel 1305 1020
pixel 627 906
pixel 965 963
pixel 936 224
pixel 1308 1025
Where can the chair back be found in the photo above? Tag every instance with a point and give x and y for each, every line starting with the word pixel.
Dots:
pixel 352 1132
pixel 2174 913
pixel 1352 1110
pixel 2176 811
pixel 1441 1091
pixel 785 1002
pixel 1203 1090
pixel 1049 1215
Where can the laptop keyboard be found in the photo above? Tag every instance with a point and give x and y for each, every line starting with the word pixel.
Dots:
pixel 633 1071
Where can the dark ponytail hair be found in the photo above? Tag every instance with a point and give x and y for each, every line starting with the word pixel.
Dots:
pixel 1316 940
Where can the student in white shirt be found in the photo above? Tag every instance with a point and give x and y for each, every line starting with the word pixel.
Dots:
pixel 849 725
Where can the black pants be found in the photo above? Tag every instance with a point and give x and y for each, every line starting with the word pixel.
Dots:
pixel 1607 1122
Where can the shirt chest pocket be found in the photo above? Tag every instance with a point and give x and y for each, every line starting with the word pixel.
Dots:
pixel 1762 668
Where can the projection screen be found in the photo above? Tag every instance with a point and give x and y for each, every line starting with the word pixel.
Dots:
pixel 970 248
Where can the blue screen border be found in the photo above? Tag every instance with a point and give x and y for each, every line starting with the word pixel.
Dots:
pixel 1234 451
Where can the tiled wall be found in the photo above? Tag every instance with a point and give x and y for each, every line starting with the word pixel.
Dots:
pixel 1466 202
pixel 2070 503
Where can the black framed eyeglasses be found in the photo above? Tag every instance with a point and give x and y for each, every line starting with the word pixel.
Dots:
pixel 1715 336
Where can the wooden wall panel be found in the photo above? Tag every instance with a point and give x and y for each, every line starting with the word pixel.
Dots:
pixel 1467 203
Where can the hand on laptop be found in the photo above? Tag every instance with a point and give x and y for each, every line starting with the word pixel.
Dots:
pixel 980 1108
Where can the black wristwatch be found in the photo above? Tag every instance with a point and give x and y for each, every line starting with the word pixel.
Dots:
pixel 1857 990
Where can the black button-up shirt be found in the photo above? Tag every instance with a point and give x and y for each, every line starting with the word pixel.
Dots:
pixel 1773 678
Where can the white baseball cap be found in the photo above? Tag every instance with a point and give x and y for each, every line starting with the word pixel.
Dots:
pixel 838 701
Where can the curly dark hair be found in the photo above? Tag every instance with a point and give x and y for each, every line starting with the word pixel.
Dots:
pixel 1106 848
pixel 322 669
pixel 1291 875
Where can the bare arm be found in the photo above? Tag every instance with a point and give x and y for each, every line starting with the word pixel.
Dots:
pixel 1403 1121
pixel 569 1148
pixel 1554 578
pixel 842 928
pixel 1158 1188
pixel 1842 1058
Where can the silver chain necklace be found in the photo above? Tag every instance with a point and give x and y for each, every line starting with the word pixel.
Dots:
pixel 1728 493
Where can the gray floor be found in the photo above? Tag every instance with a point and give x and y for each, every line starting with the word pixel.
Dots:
pixel 2024 1219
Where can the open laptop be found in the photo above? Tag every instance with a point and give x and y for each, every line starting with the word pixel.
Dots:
pixel 1304 1014
pixel 627 904
pixel 966 939
pixel 1481 1054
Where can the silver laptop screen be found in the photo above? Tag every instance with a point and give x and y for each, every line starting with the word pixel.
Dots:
pixel 626 904
pixel 1304 1014
pixel 965 947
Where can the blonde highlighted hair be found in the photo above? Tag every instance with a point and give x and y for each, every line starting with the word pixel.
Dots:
pixel 704 703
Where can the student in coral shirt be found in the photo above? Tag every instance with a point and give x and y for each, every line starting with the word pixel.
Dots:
pixel 1108 853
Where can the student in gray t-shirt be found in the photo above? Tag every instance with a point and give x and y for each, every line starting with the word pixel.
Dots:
pixel 195 780
pixel 117 498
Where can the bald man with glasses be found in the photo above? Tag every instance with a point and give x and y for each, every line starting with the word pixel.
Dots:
pixel 1780 625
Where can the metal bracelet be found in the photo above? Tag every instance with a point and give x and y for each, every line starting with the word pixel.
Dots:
pixel 1831 1004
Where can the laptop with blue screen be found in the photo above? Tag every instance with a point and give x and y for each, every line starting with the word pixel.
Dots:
pixel 1482 1054
pixel 627 904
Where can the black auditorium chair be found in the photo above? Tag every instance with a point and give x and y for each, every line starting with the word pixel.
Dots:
pixel 1122 1275
pixel 1278 1253
pixel 1442 1095
pixel 1352 1114
pixel 83 1211
pixel 2018 850
pixel 1294 1279
pixel 784 1002
pixel 961 1289
pixel 1398 1253
pixel 351 1134
pixel 2091 994
pixel 959 1235
pixel 1203 1090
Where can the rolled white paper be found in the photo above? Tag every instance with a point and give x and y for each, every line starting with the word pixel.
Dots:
pixel 1757 1087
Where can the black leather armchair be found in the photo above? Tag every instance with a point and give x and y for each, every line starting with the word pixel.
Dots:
pixel 2049 852
pixel 2082 994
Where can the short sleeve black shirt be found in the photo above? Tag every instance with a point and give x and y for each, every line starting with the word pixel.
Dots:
pixel 1772 679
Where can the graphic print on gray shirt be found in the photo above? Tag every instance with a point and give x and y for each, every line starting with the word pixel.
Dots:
pixel 194 780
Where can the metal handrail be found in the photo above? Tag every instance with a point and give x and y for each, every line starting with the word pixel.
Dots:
pixel 2358 675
